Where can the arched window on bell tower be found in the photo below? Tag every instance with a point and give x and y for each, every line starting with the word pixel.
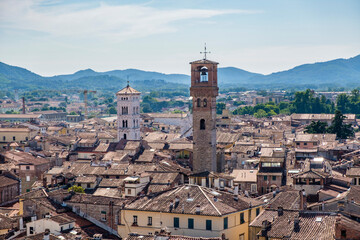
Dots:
pixel 204 74
pixel 198 102
pixel 205 102
pixel 124 110
pixel 202 124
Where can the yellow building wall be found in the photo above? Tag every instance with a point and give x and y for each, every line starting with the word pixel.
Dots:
pixel 19 136
pixel 21 206
pixel 162 220
pixel 4 231
pixel 63 131
pixel 183 154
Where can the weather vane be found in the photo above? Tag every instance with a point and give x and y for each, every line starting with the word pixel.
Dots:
pixel 204 52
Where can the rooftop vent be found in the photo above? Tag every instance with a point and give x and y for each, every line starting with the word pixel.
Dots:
pixel 197 209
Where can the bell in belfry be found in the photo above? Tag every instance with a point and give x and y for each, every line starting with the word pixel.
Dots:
pixel 204 74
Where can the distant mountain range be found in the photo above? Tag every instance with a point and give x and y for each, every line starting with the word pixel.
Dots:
pixel 335 73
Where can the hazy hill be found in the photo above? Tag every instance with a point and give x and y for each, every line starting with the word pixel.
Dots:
pixel 17 73
pixel 335 73
pixel 232 75
pixel 132 74
pixel 339 72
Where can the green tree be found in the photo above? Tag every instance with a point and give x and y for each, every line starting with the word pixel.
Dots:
pixel 260 113
pixel 11 112
pixel 338 127
pixel 316 127
pixel 112 110
pixel 77 189
pixel 177 111
pixel 62 104
pixel 146 108
pixel 342 103
pixel 220 107
pixel 302 101
pixel 73 113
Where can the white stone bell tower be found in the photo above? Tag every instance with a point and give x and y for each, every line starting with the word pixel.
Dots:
pixel 128 113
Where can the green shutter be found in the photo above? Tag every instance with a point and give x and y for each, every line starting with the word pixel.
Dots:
pixel 208 225
pixel 176 222
pixel 226 223
pixel 242 220
pixel 190 223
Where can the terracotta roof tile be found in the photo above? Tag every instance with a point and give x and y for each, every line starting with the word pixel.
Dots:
pixel 210 202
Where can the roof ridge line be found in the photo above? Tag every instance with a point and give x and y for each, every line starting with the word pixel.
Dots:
pixel 212 204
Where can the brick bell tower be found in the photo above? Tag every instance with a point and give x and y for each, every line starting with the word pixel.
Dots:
pixel 204 89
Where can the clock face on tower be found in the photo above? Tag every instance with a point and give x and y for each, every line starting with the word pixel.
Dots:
pixel 204 90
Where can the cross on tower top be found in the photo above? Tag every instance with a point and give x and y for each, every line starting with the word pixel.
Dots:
pixel 204 52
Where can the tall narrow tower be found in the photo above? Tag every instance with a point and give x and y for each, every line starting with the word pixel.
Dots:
pixel 128 113
pixel 204 90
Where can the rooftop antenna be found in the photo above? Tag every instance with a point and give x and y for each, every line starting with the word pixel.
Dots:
pixel 127 77
pixel 204 52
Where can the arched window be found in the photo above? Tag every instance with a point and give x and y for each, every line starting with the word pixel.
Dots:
pixel 204 74
pixel 124 110
pixel 126 123
pixel 205 102
pixel 202 124
pixel 198 102
pixel 124 135
pixel 123 123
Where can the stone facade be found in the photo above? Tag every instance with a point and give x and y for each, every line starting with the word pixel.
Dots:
pixel 204 90
pixel 9 189
pixel 128 113
pixel 102 209
pixel 30 173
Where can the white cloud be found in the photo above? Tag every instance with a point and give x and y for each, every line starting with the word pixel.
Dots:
pixel 111 22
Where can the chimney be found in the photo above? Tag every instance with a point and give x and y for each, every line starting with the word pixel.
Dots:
pixel 296 224
pixel 265 227
pixel 215 198
pixel 236 198
pixel 171 206
pixel 23 105
pixel 280 211
pixel 177 201
pixel 46 234
pixel 302 199
pixel 236 190
pixel 197 209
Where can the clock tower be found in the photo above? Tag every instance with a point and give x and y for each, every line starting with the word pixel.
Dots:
pixel 203 90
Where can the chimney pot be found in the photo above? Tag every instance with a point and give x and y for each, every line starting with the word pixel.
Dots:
pixel 296 224
pixel 197 209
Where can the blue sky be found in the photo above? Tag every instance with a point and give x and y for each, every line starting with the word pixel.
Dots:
pixel 60 37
